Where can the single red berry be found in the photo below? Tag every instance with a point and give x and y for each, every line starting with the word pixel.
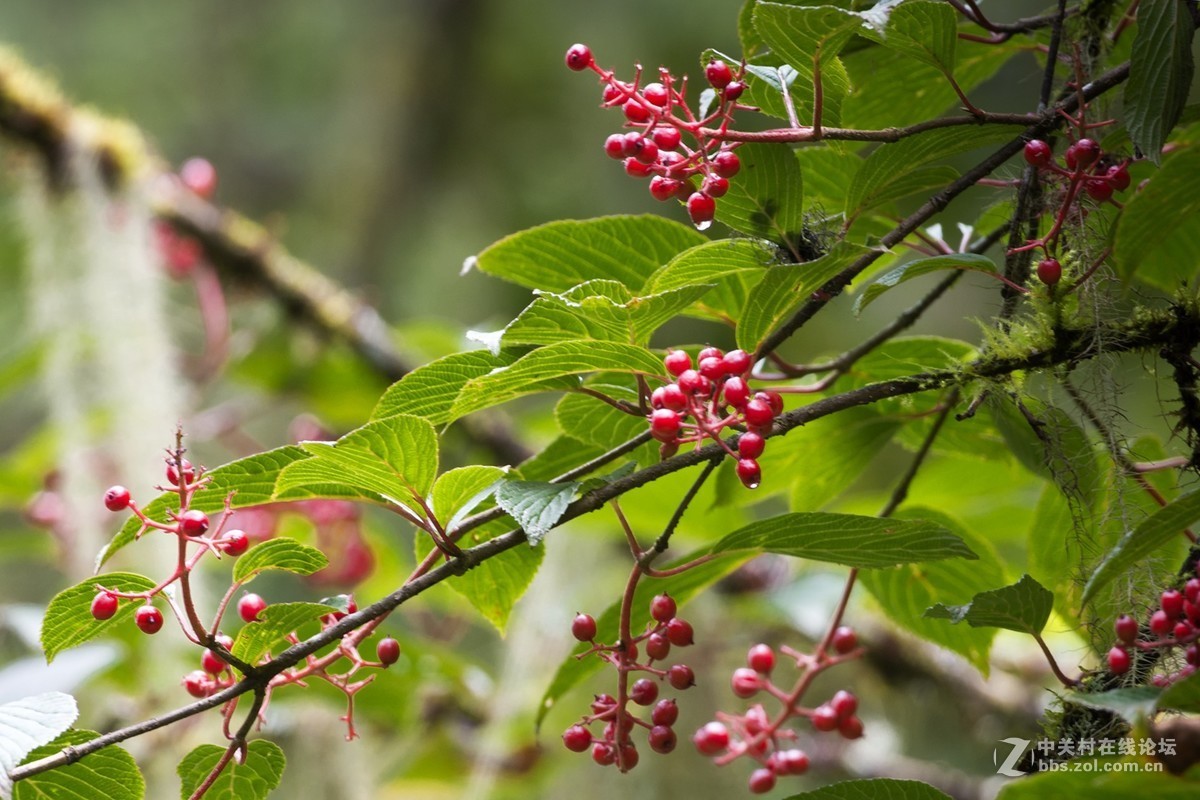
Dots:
pixel 710 352
pixel 1038 153
pixel 1160 622
pixel 669 396
pixel 603 754
pixel 737 362
pixel 577 738
pixel 844 703
pixel 824 718
pixel 643 692
pixel 636 169
pixel 104 605
pixel 193 522
pixel 655 93
pixel 579 57
pixel 715 186
pixel 663 188
pixel 149 619
pixel 199 175
pixel 351 607
pixel 701 208
pixel 234 543
pixel 679 631
pixel 677 362
pixel 665 424
pixel 197 683
pixel 211 663
pixel 1118 176
pixel 737 392
pixel 751 445
pixel 631 652
pixel 726 163
pixel 662 739
pixel 844 640
pixel 1192 655
pixel 665 712
pixel 692 382
pixel 711 739
pixel 757 412
pixel 1082 154
pixel 1192 611
pixel 681 677
pixel 658 647
pixel 1191 590
pixel 667 138
pixel 734 90
pixel 791 762
pixel 1182 630
pixel 1049 271
pixel 614 146
pixel 745 682
pixel 1172 603
pixel 663 607
pixel 762 780
pixel 602 703
pixel 1118 661
pixel 749 473
pixel 1126 628
pixel 712 368
pixel 189 474
pixel 387 651
pixel 250 606
pixel 761 658
pixel 613 91
pixel 646 151
pixel 583 627
pixel 1098 189
pixel 629 757
pixel 851 728
pixel 635 112
pixel 718 73
pixel 116 498
pixel 771 398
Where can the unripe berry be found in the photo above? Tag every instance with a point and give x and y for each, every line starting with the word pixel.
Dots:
pixel 701 208
pixel 851 728
pixel 116 498
pixel 762 780
pixel 614 146
pixel 681 677
pixel 749 473
pixel 104 605
pixel 250 606
pixel 824 718
pixel 745 682
pixel 718 74
pixel 711 739
pixel 665 424
pixel 1118 661
pixel 1049 271
pixel 193 522
pixel 189 474
pixel 734 90
pixel 751 445
pixel 662 739
pixel 583 627
pixel 677 362
pixel 577 738
pixel 643 692
pixel 758 413
pixel 579 57
pixel 761 658
pixel 726 163
pixel 1038 153
pixel 655 93
pixel 1160 623
pixel 196 683
pixel 666 138
pixel 1126 628
pixel 1172 603
pixel 737 392
pixel 663 607
pixel 199 175
pixel 149 619
pixel 387 651
pixel 679 631
pixel 844 640
pixel 665 713
pixel 234 543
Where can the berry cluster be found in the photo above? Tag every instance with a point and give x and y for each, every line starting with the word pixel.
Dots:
pixel 755 735
pixel 180 253
pixel 1174 626
pixel 659 116
pixel 615 744
pixel 714 395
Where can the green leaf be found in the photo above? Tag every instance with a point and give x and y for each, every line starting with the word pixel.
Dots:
pixel 1058 449
pixel 552 368
pixel 69 622
pixel 766 200
pixel 785 288
pixel 110 773
pixel 828 172
pixel 682 586
pixel 1151 533
pixel 769 75
pixel 1105 781
pixel 274 623
pixel 600 310
pixel 558 255
pixel 848 539
pixel 843 444
pixel 395 458
pixel 458 491
pixel 904 592
pixel 280 553
pixel 1160 73
pixel 246 482
pixel 1158 234
pixel 873 789
pixel 29 723
pixel 560 456
pixel 922 266
pixel 252 780
pixel 429 391
pixel 1132 703
pixel 925 31
pixel 591 421
pixel 536 506
pixel 1182 695
pixel 731 266
pixel 886 170
pixel 1023 607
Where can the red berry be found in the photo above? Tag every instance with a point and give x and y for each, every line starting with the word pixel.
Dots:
pixel 844 640
pixel 197 683
pixel 655 93
pixel 149 619
pixel 734 90
pixel 613 92
pixel 189 474
pixel 844 703
pixel 679 631
pixel 745 682
pixel 1192 655
pixel 758 413
pixel 614 146
pixel 199 175
pixel 629 757
pixel 726 163
pixel 712 368
pixel 824 718
pixel 1082 154
pixel 658 646
pixel 692 382
pixel 583 627
pixel 1038 153
pixel 1118 661
pixel 663 188
pixel 1172 603
pixel 1049 271
pixel 662 739
pixel 762 780
pixel 234 543
pixel 701 208
pixel 1160 623
pixel 643 692
pixel 761 658
pixel 211 663
pixel 193 522
pixel 1098 189
pixel 851 728
pixel 749 473
pixel 1118 176
pixel 772 399
pixel 579 57
pixel 1126 628
pixel 715 186
pixel 602 703
pixel 116 498
pixel 665 424
pixel 737 362
pixel 681 677
pixel 635 111
pixel 646 151
pixel 636 169
pixel 790 762
pixel 250 606
pixel 603 754
pixel 677 362
pixel 666 138
pixel 737 392
pixel 1191 590
pixel 1182 630
pixel 104 605
pixel 718 73
pixel 710 352
pixel 663 608
pixel 665 713
pixel 577 738
pixel 1192 611
pixel 387 651
pixel 711 739
pixel 751 445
